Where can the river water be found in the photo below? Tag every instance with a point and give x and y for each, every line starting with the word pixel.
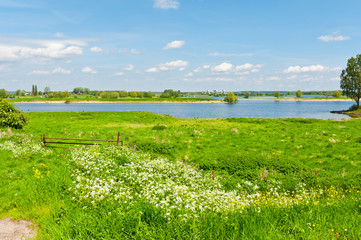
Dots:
pixel 244 108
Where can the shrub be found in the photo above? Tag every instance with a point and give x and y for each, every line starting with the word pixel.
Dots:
pixel 11 116
pixel 231 98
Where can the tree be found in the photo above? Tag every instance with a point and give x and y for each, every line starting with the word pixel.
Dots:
pixel 133 94
pixel 46 90
pixel 114 94
pixel 247 94
pixel 351 79
pixel 35 90
pixel 3 93
pixel 123 94
pixel 148 94
pixel 337 93
pixel 231 98
pixel 298 93
pixel 277 94
pixel 18 92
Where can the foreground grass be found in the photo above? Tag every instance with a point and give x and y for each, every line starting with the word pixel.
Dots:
pixel 59 190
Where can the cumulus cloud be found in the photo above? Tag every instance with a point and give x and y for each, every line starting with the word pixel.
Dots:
pixel 206 66
pixel 88 70
pixel 20 49
pixel 174 45
pixel 173 65
pixel 190 74
pixel 274 78
pixel 210 79
pixel 119 74
pixel 96 49
pixel 152 70
pixel 166 4
pixel 218 54
pixel 39 72
pixel 59 35
pixel 311 68
pixel 54 71
pixel 61 70
pixel 333 38
pixel 248 66
pixel 131 50
pixel 223 67
pixel 128 67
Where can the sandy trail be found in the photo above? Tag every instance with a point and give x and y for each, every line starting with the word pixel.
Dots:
pixel 16 230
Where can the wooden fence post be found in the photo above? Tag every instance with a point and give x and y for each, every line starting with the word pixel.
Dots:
pixel 135 148
pixel 213 174
pixel 118 139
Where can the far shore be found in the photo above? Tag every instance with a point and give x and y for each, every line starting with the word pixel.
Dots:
pixel 116 102
pixel 188 102
pixel 300 99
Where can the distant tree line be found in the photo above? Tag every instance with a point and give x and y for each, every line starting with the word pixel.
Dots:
pixel 122 94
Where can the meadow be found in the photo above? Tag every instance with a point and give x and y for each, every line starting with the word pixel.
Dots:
pixel 273 178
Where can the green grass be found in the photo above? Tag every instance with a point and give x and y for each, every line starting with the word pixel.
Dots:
pixel 238 150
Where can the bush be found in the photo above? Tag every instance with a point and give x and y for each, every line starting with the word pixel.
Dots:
pixel 11 116
pixel 354 107
pixel 231 98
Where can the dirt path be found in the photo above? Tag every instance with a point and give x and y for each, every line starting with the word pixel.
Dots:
pixel 14 230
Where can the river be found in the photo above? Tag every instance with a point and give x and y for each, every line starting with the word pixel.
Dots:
pixel 244 109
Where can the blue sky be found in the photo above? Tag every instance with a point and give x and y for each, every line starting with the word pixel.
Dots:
pixel 190 45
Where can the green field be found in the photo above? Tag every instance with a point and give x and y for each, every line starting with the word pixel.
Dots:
pixel 274 178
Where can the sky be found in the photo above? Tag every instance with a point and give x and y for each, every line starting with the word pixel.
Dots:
pixel 187 45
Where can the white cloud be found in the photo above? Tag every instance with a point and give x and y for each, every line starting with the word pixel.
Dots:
pixel 39 72
pixel 190 74
pixel 128 67
pixel 311 68
pixel 242 73
pixel 206 66
pixel 55 70
pixel 132 51
pixel 61 70
pixel 96 49
pixel 291 77
pixel 20 49
pixel 173 65
pixel 274 78
pixel 166 4
pixel 223 67
pixel 88 70
pixel 174 45
pixel 333 38
pixel 217 54
pixel 119 74
pixel 152 70
pixel 59 35
pixel 200 69
pixel 248 66
pixel 210 79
